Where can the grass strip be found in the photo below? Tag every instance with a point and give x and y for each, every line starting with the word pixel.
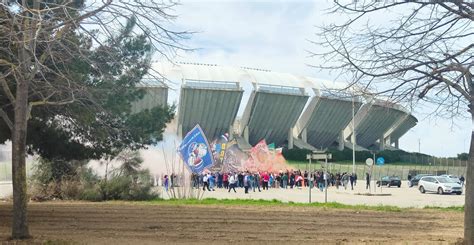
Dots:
pixel 452 208
pixel 273 202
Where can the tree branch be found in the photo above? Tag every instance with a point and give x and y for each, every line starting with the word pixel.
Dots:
pixel 7 90
pixel 6 119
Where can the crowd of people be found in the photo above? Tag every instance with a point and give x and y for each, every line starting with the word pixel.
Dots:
pixel 253 181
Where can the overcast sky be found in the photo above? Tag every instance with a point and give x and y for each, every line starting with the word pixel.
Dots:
pixel 275 35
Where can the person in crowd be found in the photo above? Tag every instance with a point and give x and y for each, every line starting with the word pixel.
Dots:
pixel 351 178
pixel 305 178
pixel 285 180
pixel 265 180
pixel 225 180
pixel 299 180
pixel 240 179
pixel 292 180
pixel 367 179
pixel 212 181
pixel 251 182
pixel 462 179
pixel 278 183
pixel 247 182
pixel 205 182
pixel 271 181
pixel 355 179
pixel 320 181
pixel 219 179
pixel 345 180
pixel 338 180
pixel 256 182
pixel 201 183
pixel 166 183
pixel 326 179
pixel 232 182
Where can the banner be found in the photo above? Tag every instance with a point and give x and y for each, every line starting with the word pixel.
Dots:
pixel 219 146
pixel 263 160
pixel 195 151
pixel 234 158
pixel 279 150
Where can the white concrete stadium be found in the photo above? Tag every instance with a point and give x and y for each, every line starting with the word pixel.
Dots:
pixel 289 110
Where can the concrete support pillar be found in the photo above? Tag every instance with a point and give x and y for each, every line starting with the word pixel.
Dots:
pixel 304 135
pixel 340 141
pixel 290 139
pixel 388 141
pixel 396 144
pixel 231 132
pixel 246 134
pixel 180 131
pixel 382 143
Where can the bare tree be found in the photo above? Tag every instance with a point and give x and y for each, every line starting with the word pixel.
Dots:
pixel 410 51
pixel 39 42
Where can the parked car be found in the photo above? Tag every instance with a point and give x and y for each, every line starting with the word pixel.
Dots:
pixel 452 177
pixel 438 184
pixel 414 181
pixel 389 181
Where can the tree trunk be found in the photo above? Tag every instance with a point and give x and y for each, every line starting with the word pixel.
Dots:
pixel 106 194
pixel 20 199
pixel 469 203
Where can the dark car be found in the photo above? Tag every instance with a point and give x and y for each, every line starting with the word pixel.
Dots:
pixel 414 181
pixel 390 181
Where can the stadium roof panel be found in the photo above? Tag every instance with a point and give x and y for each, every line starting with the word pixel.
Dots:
pixel 211 72
pixel 276 102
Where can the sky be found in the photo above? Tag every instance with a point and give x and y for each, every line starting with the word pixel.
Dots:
pixel 275 35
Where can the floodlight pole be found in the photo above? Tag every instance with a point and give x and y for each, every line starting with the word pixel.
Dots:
pixel 311 156
pixel 353 136
pixel 326 181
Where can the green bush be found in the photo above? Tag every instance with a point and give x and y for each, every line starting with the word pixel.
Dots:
pixel 295 154
pixel 346 155
pixel 116 188
pixel 128 187
pixel 70 189
pixel 91 194
pixel 75 180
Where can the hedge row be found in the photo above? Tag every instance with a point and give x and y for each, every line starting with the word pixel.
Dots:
pixel 346 155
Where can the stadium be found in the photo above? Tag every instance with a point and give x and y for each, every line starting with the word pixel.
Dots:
pixel 289 110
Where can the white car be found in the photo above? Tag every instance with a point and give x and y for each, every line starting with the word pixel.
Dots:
pixel 452 177
pixel 439 184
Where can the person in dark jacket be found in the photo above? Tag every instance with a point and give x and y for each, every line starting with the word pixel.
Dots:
pixel 351 179
pixel 367 178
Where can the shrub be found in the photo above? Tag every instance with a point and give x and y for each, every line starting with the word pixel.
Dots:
pixel 75 180
pixel 91 194
pixel 70 189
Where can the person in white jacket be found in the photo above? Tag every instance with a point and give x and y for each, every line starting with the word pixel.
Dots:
pixel 232 182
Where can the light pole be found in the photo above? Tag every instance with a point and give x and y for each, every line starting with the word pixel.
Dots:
pixel 310 156
pixel 353 136
pixel 419 145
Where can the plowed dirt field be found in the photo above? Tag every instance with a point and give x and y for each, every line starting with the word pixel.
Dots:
pixel 126 223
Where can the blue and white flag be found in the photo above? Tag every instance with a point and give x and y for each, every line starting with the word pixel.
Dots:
pixel 195 151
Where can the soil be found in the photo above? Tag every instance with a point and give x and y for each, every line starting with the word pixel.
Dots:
pixel 129 223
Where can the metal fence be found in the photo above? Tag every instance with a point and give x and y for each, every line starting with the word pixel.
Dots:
pixel 448 166
pixel 427 160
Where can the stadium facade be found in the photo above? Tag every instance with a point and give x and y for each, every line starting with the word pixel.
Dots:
pixel 285 109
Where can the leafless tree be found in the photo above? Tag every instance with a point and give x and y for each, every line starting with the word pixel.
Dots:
pixel 410 51
pixel 38 42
